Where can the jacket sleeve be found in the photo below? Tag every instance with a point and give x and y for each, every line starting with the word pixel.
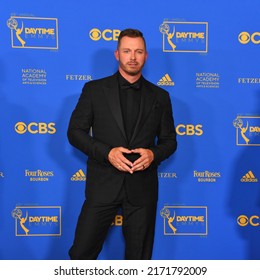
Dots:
pixel 166 138
pixel 80 126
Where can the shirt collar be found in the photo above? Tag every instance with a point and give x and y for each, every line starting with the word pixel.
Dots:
pixel 124 84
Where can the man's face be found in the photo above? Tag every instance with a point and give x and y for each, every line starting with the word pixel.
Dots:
pixel 131 55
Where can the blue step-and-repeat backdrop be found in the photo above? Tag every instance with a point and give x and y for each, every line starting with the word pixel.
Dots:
pixel 205 54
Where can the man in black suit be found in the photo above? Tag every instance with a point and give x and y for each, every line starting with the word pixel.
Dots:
pixel 132 132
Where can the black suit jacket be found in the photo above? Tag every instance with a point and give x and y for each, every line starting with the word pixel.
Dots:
pixel 99 108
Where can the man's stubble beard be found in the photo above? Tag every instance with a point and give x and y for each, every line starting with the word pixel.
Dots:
pixel 132 72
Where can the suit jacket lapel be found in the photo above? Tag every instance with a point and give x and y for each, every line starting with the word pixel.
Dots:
pixel 147 101
pixel 113 99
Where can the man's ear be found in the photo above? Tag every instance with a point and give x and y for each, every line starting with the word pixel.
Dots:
pixel 116 54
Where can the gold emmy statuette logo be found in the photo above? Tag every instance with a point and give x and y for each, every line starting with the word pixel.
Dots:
pixel 165 213
pixel 238 124
pixel 13 25
pixel 165 29
pixel 33 32
pixel 17 214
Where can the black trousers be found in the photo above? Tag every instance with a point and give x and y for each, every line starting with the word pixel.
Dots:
pixel 95 220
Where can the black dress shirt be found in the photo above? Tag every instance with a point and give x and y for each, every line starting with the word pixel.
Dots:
pixel 130 98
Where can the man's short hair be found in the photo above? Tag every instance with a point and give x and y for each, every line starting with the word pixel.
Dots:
pixel 132 33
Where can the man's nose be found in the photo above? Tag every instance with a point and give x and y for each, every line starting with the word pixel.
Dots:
pixel 133 55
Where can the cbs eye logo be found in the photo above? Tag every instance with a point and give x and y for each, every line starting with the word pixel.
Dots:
pixel 95 34
pixel 35 128
pixel 108 34
pixel 243 220
pixel 245 38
